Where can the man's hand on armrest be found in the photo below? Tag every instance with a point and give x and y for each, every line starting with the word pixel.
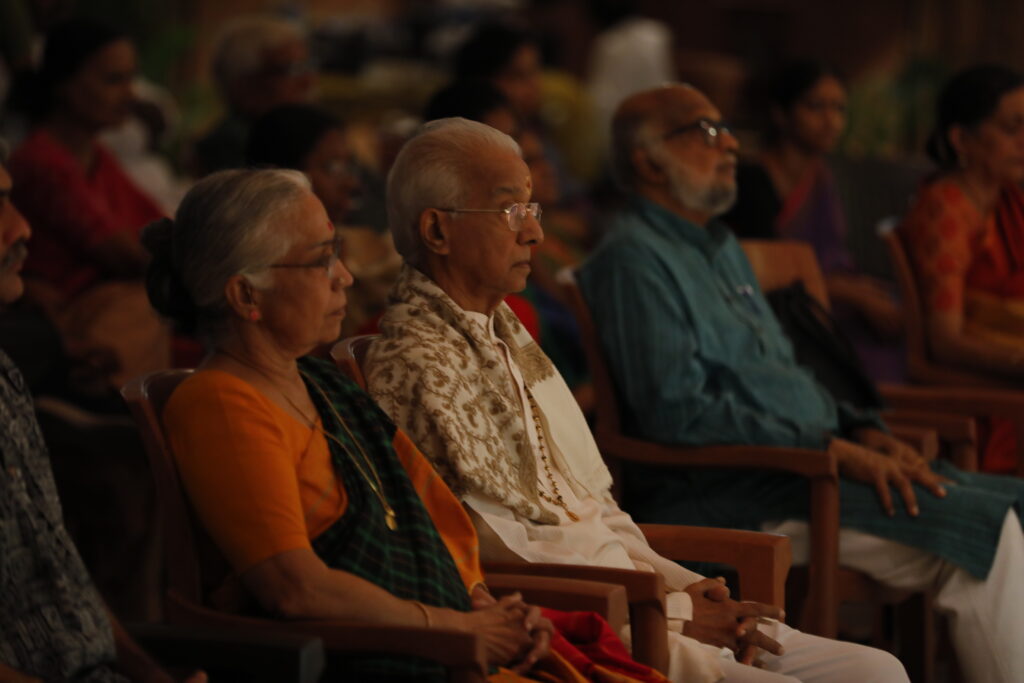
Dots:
pixel 720 621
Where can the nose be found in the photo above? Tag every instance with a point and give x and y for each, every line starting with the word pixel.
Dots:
pixel 532 233
pixel 13 226
pixel 728 141
pixel 344 275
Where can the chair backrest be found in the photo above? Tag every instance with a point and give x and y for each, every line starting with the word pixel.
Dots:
pixel 608 419
pixel 349 355
pixel 780 263
pixel 913 307
pixel 146 397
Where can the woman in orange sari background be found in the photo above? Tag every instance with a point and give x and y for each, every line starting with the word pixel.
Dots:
pixel 965 232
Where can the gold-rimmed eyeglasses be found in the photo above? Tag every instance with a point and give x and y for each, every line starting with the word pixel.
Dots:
pixel 515 214
pixel 330 262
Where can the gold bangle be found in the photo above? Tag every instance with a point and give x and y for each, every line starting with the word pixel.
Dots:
pixel 426 614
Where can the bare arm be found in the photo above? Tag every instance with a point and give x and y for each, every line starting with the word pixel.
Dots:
pixel 296 584
pixel 951 345
pixel 870 298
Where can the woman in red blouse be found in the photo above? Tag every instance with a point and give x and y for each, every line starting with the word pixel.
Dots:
pixel 965 235
pixel 966 230
pixel 87 262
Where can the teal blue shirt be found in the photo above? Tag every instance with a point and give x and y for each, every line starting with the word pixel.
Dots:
pixel 699 359
pixel 693 346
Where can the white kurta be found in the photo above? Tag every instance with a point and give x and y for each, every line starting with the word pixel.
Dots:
pixel 456 384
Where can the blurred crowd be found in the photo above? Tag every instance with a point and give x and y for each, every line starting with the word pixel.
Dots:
pixel 89 170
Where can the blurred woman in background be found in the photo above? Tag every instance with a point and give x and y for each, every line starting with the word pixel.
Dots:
pixel 87 261
pixel 789 192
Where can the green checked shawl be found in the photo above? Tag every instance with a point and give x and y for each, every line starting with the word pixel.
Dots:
pixel 412 562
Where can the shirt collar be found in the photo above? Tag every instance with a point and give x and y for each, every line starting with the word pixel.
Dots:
pixel 708 239
pixel 484 321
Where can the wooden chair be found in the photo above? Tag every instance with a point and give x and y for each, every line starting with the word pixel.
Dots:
pixel 259 657
pixel 193 566
pixel 761 560
pixel 975 392
pixel 820 613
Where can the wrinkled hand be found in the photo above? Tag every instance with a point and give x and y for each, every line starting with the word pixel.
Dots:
pixel 723 622
pixel 480 597
pixel 898 468
pixel 540 630
pixel 503 626
pixel 886 444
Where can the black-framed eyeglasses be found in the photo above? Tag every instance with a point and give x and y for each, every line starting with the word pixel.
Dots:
pixel 711 130
pixel 330 262
pixel 515 214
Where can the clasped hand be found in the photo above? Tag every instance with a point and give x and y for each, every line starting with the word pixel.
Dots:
pixel 515 633
pixel 723 622
pixel 884 461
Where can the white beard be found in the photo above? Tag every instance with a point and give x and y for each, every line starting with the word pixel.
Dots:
pixel 714 199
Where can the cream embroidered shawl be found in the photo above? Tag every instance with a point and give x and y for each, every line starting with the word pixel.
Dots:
pixel 439 376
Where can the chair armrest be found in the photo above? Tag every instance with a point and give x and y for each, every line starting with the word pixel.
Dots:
pixel 645 592
pixel 566 594
pixel 804 461
pixel 462 654
pixel 921 437
pixel 957 432
pixel 970 401
pixel 271 656
pixel 762 560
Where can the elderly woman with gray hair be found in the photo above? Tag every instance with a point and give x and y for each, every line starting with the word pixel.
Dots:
pixel 320 506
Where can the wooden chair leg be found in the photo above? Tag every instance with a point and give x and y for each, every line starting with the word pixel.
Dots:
pixel 916 636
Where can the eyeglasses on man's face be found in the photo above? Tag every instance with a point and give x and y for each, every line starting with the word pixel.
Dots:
pixel 330 262
pixel 515 214
pixel 712 131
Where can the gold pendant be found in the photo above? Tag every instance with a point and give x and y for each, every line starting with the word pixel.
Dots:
pixel 391 519
pixel 572 515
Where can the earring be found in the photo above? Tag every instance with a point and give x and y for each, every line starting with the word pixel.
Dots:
pixel 254 315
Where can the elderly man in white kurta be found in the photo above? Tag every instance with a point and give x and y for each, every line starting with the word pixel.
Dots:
pixel 457 371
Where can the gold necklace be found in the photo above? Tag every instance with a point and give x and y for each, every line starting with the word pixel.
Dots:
pixel 557 499
pixel 373 479
pixel 375 483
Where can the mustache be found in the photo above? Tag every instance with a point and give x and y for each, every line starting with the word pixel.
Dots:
pixel 17 254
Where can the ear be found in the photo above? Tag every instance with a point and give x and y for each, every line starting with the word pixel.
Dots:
pixel 648 170
pixel 957 138
pixel 242 297
pixel 435 231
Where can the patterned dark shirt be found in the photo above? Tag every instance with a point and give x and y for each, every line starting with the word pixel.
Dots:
pixel 53 623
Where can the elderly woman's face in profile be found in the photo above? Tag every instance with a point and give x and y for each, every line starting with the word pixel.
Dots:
pixel 306 304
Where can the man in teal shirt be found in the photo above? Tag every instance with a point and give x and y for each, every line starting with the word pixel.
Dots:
pixel 699 359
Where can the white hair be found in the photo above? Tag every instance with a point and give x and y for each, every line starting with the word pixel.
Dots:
pixel 243 43
pixel 432 170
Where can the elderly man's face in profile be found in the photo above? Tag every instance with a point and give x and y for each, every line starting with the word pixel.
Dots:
pixel 697 153
pixel 14 234
pixel 489 255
